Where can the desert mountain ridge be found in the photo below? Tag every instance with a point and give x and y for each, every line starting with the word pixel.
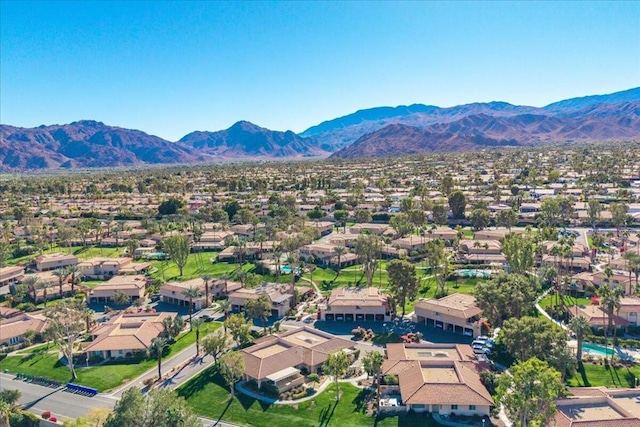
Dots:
pixel 374 132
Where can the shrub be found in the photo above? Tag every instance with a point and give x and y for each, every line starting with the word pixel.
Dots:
pixel 53 419
pixel 148 381
pixel 46 415
pixel 27 306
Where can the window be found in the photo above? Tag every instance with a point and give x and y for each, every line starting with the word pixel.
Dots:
pixel 472 407
pixel 454 407
pixel 437 314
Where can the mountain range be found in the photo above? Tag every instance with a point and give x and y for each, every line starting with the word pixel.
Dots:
pixel 375 132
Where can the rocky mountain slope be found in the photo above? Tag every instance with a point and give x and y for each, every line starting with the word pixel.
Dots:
pixel 595 122
pixel 87 144
pixel 245 139
pixel 342 131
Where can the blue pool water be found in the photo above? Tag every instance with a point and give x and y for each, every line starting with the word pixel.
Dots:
pixel 597 349
pixel 285 269
pixel 473 273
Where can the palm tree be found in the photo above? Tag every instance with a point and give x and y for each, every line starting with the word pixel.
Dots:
pixel 581 327
pixel 31 283
pixel 74 272
pixel 196 324
pixel 62 275
pixel 191 292
pixel 225 306
pixel 226 277
pixel 44 285
pixel 206 278
pixel 157 346
pixel 339 250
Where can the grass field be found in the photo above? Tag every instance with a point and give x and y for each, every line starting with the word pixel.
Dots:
pixel 209 397
pixel 591 375
pixel 104 377
pixel 79 251
pixel 197 265
pixel 550 300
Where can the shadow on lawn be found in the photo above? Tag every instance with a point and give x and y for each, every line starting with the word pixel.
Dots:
pixel 583 374
pixel 326 414
pixel 360 401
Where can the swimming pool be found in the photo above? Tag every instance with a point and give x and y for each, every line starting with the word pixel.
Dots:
pixel 285 269
pixel 597 349
pixel 473 273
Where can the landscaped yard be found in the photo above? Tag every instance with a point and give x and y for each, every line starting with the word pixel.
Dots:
pixel 102 377
pixel 594 375
pixel 550 300
pixel 210 397
pixel 197 265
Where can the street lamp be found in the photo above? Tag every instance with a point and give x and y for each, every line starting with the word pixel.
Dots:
pixel 483 422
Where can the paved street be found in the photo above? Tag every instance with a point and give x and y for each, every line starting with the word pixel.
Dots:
pixel 38 399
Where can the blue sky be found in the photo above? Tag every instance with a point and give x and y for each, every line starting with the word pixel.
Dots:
pixel 169 68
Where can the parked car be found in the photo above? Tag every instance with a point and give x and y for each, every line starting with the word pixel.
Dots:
pixel 155 297
pixel 207 317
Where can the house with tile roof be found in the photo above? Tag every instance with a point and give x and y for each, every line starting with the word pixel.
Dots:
pixel 134 286
pixel 280 295
pixel 125 335
pixel 598 407
pixel 13 329
pixel 283 359
pixel 351 304
pixel 49 262
pixel 436 378
pixel 457 313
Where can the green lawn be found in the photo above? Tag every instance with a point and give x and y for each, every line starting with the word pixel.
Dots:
pixel 79 251
pixel 102 377
pixel 591 375
pixel 550 300
pixel 209 397
pixel 197 265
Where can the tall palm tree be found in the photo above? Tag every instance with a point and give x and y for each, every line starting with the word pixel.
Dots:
pixel 31 283
pixel 62 275
pixel 226 277
pixel 196 324
pixel 206 278
pixel 74 272
pixel 44 285
pixel 157 346
pixel 339 251
pixel 225 306
pixel 191 292
pixel 581 327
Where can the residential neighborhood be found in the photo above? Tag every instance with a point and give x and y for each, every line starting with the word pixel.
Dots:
pixel 426 291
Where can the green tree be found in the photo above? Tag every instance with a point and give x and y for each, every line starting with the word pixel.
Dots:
pixel 594 210
pixel 172 206
pixel 400 222
pixel 62 275
pixel 159 408
pixel 215 344
pixel 207 278
pixel 239 328
pixel 479 218
pixel 439 213
pixel 457 204
pixel 121 298
pixel 191 293
pixel 529 337
pixel 362 216
pixel 231 368
pixel 313 378
pixel 368 249
pixel 520 253
pixel 157 348
pixel 259 308
pixel 372 364
pixel 619 215
pixel 581 327
pixel 195 324
pixel 403 281
pixel 341 216
pixel 339 251
pixel 66 327
pixel 505 297
pixel 439 260
pixel 336 365
pixel 507 218
pixel 529 393
pixel 178 247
